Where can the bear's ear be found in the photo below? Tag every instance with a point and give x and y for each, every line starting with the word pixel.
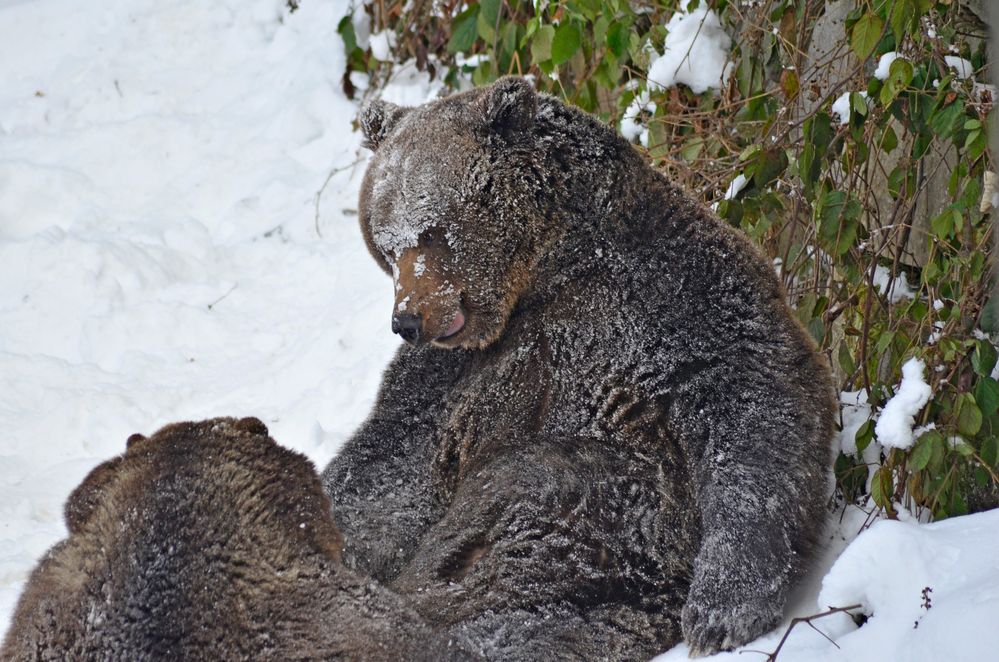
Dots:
pixel 88 494
pixel 511 105
pixel 377 119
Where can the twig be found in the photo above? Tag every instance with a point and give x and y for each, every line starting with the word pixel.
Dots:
pixel 216 302
pixel 322 189
pixel 772 657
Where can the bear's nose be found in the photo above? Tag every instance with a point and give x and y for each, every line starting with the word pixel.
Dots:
pixel 408 326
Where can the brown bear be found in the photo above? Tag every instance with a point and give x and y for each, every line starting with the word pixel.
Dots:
pixel 607 431
pixel 208 541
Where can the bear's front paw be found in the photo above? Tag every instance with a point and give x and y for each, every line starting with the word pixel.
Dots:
pixel 724 622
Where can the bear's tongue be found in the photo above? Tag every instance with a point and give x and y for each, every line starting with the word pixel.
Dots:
pixel 456 325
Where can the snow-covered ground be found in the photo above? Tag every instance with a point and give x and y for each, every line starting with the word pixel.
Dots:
pixel 160 260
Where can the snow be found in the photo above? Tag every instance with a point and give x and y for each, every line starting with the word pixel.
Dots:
pixel 884 65
pixel 735 186
pixel 692 37
pixel 887 570
pixel 855 412
pixel 896 289
pixel 894 426
pixel 158 249
pixel 382 43
pixel 962 68
pixel 632 124
pixel 159 170
pixel 841 106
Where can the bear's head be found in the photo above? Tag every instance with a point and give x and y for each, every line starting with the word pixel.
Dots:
pixel 188 475
pixel 454 206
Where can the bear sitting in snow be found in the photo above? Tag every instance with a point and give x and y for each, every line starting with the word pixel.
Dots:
pixel 207 541
pixel 607 431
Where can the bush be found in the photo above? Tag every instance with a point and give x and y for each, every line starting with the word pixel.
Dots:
pixel 837 166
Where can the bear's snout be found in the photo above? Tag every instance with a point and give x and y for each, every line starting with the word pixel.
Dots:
pixel 409 326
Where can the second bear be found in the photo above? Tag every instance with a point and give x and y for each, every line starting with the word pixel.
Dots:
pixel 208 541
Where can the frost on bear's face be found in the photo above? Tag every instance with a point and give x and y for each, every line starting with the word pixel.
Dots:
pixel 449 209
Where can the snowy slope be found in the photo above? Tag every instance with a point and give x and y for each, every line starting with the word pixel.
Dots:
pixel 159 260
pixel 155 159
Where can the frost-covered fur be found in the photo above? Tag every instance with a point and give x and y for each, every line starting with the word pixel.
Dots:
pixel 627 439
pixel 207 541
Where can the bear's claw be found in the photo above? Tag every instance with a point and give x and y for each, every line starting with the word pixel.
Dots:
pixel 710 629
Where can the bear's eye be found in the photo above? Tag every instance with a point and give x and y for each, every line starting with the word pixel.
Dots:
pixel 429 238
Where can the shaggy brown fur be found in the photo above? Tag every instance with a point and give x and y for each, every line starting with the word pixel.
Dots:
pixel 207 541
pixel 610 431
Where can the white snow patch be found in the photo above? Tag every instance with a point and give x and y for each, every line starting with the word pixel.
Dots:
pixel 885 570
pixel 841 106
pixel 695 52
pixel 632 124
pixel 382 44
pixel 362 26
pixel 855 412
pixel 937 333
pixel 888 568
pixel 962 68
pixel 896 289
pixel 894 426
pixel 735 186
pixel 158 253
pixel 470 61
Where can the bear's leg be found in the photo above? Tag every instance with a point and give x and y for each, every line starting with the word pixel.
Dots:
pixel 558 549
pixel 761 476
pixel 379 482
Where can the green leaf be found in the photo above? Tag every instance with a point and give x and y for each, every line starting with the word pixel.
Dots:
pixel 899 76
pixel 769 166
pixel 838 221
pixel 889 140
pixel 969 416
pixel 945 120
pixel 567 40
pixel 881 490
pixel 864 436
pixel 921 453
pixel 541 45
pixel 982 478
pixel 902 17
pixel 984 358
pixel 618 38
pixel 866 34
pixel 488 17
pixel 962 447
pixel 990 451
pixel 943 224
pixel 589 8
pixel 532 27
pixel 939 450
pixel 464 31
pixel 859 104
pixel 346 30
pixel 987 395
